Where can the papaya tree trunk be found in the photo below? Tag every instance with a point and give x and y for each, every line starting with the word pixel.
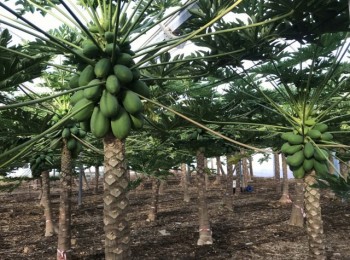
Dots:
pixel 116 200
pixel 276 160
pixel 246 175
pixel 228 198
pixel 50 227
pixel 185 183
pixel 97 176
pixel 218 171
pixel 162 187
pixel 205 234
pixel 152 215
pixel 250 159
pixel 314 223
pixel 297 215
pixel 238 178
pixel 64 223
pixel 285 199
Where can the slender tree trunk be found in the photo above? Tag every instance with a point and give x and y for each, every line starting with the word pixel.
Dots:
pixel 162 187
pixel 205 233
pixel 238 178
pixel 152 215
pixel 277 172
pixel 85 181
pixel 285 199
pixel 314 223
pixel 64 224
pixel 297 215
pixel 250 159
pixel 97 176
pixel 50 227
pixel 343 168
pixel 246 175
pixel 185 182
pixel 206 174
pixel 218 171
pixel 228 198
pixel 116 200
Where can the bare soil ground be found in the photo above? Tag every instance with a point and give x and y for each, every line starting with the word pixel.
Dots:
pixel 254 230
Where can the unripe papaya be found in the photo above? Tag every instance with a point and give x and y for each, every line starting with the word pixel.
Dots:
pixel 71 143
pixel 109 104
pixel 109 49
pixel 94 92
pixel 314 133
pixel 309 150
pixel 90 50
pixel 85 125
pixel 310 122
pixel 136 74
pixel 109 36
pixel 291 149
pixel 74 81
pixel 125 59
pixel 86 75
pixel 85 108
pixel 82 133
pixel 326 136
pixel 321 155
pixel 308 164
pixel 76 97
pixel 296 159
pixel 121 124
pixel 102 68
pixel 136 121
pixel 132 103
pixel 140 87
pixel 74 130
pixel 299 172
pixel 76 151
pixel 321 127
pixel 113 85
pixel 123 73
pixel 320 167
pixel 99 124
pixel 65 133
pixel 294 138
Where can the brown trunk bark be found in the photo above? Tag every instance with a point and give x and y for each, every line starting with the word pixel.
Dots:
pixel 185 182
pixel 97 176
pixel 228 198
pixel 238 179
pixel 277 172
pixel 218 171
pixel 162 187
pixel 50 227
pixel 152 215
pixel 85 181
pixel 116 200
pixel 206 174
pixel 64 223
pixel 250 159
pixel 314 223
pixel 285 199
pixel 205 234
pixel 297 215
pixel 244 170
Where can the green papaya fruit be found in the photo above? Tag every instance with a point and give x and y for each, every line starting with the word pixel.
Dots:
pixel 93 28
pixel 85 125
pixel 291 149
pixel 94 92
pixel 82 133
pixel 321 155
pixel 74 81
pixel 310 122
pixel 299 172
pixel 86 75
pixel 90 50
pixel 65 133
pixel 74 130
pixel 109 104
pixel 140 87
pixel 83 110
pixel 77 150
pixel 102 68
pixel 113 85
pixel 109 36
pixel 308 164
pixel 121 124
pixel 123 73
pixel 137 121
pixel 136 74
pixel 131 102
pixel 292 138
pixel 76 97
pixel 309 150
pixel 326 136
pixel 109 49
pixel 314 134
pixel 125 59
pixel 71 144
pixel 99 124
pixel 320 167
pixel 296 159
pixel 320 127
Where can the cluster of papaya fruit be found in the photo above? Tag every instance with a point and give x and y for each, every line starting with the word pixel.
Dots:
pixel 73 144
pixel 303 153
pixel 41 162
pixel 110 103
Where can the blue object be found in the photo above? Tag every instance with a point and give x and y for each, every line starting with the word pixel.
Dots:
pixel 249 188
